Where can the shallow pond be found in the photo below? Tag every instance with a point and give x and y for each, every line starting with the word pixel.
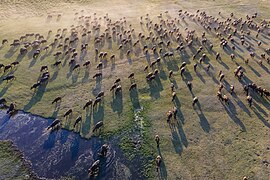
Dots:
pixel 62 152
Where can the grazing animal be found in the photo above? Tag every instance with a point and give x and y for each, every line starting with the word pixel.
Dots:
pixel 132 86
pixel 68 112
pixel 34 86
pixel 9 77
pixel 249 100
pixel 43 68
pixel 78 119
pixel 173 96
pixel 57 100
pixel 87 63
pixel 100 94
pixel 182 70
pixel 2 65
pixel 189 84
pixel 97 126
pixel 11 108
pixel 36 53
pixel 7 67
pixel 104 150
pixel 170 73
pixel 131 76
pixel 3 101
pixel 158 162
pixel 183 65
pixel 231 89
pixel 97 100
pixel 118 80
pixel 4 41
pixel 71 62
pixel 221 77
pixel 77 66
pixel 157 139
pixel 195 100
pixel 55 124
pixel 94 169
pixel 88 103
pixel 99 66
pixel 15 63
pixel 118 89
pixel 113 87
pixel 145 68
pixel 57 63
pixel 97 75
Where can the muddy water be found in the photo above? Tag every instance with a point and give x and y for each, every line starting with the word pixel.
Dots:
pixel 61 153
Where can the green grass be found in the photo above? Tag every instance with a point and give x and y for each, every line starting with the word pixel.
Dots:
pixel 10 158
pixel 207 144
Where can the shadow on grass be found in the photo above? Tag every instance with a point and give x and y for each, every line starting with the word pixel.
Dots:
pixel 85 78
pixel 258 114
pixel 35 98
pixel 11 52
pixel 86 126
pixel 133 94
pixel 203 120
pixel 117 103
pixel 162 173
pixel 231 111
pixel 98 113
pixel 4 90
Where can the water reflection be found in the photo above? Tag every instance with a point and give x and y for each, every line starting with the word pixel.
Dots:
pixel 60 153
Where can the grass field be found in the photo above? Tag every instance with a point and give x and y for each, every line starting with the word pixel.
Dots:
pixel 214 142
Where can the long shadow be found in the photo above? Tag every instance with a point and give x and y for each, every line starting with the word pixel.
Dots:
pixel 50 142
pixel 203 120
pixel 255 72
pixel 117 103
pixel 162 75
pixel 74 148
pixel 11 52
pixel 264 121
pixel 241 104
pixel 98 114
pixel 75 77
pixel 55 112
pixel 200 77
pixel 231 111
pixel 265 68
pixel 20 57
pixel 154 90
pixel 54 76
pixel 260 109
pixel 176 142
pixel 4 121
pixel 86 126
pixel 182 135
pixel 35 98
pixel 64 136
pixel 70 71
pixel 85 78
pixel 176 102
pixel 223 64
pixel 33 62
pixel 180 116
pixel 163 170
pixel 4 90
pixel 133 94
pixel 158 83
